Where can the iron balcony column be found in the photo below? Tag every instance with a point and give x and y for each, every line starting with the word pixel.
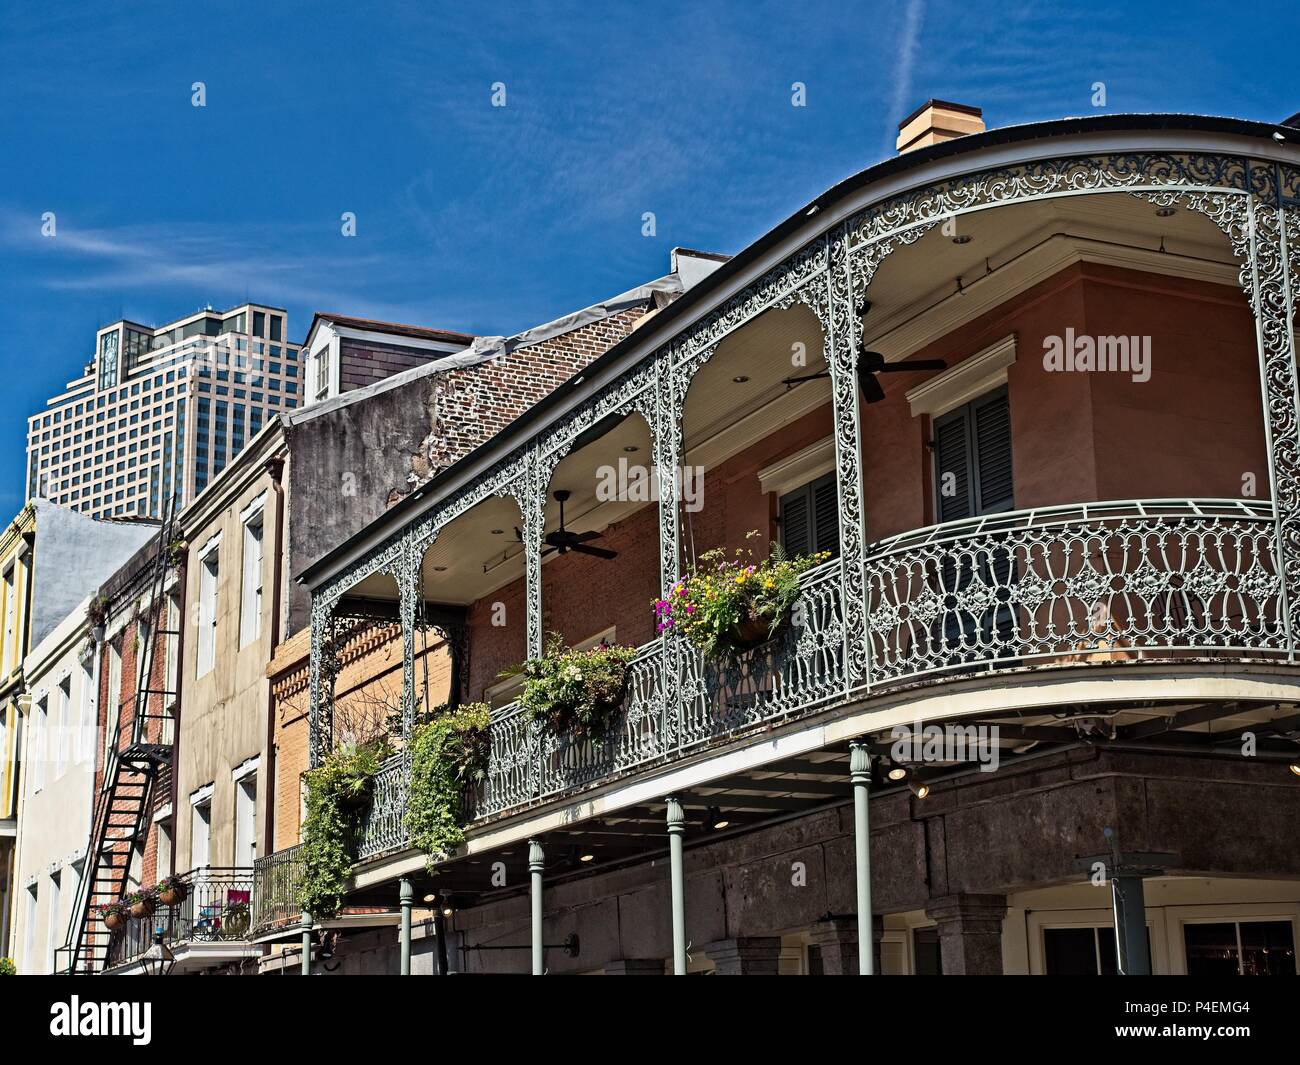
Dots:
pixel 676 830
pixel 1132 951
pixel 536 866
pixel 306 943
pixel 860 776
pixel 406 898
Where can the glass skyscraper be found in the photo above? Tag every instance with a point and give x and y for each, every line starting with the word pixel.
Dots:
pixel 161 411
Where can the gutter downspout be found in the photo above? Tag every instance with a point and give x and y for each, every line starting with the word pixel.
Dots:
pixel 182 583
pixel 275 467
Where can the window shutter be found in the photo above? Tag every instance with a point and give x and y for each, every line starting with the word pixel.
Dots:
pixel 991 426
pixel 796 532
pixel 826 515
pixel 952 466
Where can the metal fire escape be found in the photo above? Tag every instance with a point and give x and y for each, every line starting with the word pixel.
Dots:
pixel 138 753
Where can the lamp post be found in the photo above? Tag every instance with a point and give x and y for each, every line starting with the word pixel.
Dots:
pixel 158 959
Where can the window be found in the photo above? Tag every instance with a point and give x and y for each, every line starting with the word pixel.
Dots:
pixel 972 459
pixel 29 928
pixel 323 373
pixel 114 684
pixel 810 520
pixel 250 602
pixel 86 731
pixel 7 662
pixel 246 820
pixel 208 572
pixel 200 824
pixel 1240 948
pixel 164 851
pixel 40 743
pixel 1080 951
pixel 63 725
pixel 52 921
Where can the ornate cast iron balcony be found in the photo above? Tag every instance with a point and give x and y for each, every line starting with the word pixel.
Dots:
pixel 217 908
pixel 1081 585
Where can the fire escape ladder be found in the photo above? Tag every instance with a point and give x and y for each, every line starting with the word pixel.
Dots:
pixel 139 751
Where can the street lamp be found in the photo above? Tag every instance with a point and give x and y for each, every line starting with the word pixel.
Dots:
pixel 158 959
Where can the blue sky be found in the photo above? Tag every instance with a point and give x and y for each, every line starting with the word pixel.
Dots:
pixel 490 219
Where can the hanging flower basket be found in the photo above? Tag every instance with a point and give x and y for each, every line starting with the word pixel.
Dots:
pixel 113 914
pixel 142 904
pixel 172 891
pixel 576 693
pixel 733 605
pixel 234 922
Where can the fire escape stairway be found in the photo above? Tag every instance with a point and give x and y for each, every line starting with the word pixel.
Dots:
pixel 139 753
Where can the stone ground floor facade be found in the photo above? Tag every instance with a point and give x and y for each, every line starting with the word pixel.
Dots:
pixel 990 873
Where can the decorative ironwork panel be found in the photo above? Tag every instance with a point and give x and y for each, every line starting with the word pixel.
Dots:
pixel 1074 584
pixel 512 762
pixel 804 667
pixel 383 827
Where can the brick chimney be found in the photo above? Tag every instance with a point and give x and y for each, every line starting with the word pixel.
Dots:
pixel 936 121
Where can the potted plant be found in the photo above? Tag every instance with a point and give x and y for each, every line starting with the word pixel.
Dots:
pixel 176 551
pixel 7 967
pixel 97 614
pixel 142 903
pixel 337 792
pixel 572 692
pixel 449 756
pixel 731 605
pixel 235 920
pixel 113 914
pixel 172 890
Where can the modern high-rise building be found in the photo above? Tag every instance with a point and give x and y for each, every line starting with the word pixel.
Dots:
pixel 160 411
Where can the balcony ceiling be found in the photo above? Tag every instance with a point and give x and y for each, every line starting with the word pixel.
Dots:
pixel 912 295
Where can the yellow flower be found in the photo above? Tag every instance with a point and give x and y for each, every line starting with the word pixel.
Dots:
pixel 769 583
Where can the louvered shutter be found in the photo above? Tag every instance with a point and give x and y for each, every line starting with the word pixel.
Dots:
pixel 990 421
pixel 796 523
pixel 952 467
pixel 826 515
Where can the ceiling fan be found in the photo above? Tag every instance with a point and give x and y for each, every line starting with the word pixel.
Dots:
pixel 871 363
pixel 563 541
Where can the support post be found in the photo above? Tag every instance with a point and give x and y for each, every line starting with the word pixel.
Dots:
pixel 440 931
pixel 406 897
pixel 676 830
pixel 860 776
pixel 306 943
pixel 536 866
pixel 1132 952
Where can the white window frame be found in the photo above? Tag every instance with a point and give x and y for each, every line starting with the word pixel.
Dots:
pixel 252 568
pixel 245 848
pixel 205 656
pixel 40 740
pixel 7 656
pixel 202 798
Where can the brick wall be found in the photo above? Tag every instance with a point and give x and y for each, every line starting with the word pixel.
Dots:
pixel 473 404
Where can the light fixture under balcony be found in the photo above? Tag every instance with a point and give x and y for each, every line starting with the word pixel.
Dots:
pixel 158 959
pixel 1165 212
pixel 962 239
pixel 714 819
pixel 586 857
pixel 897 771
pixel 739 379
pixel 917 786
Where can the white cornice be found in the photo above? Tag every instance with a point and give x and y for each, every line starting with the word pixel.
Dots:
pixel 961 383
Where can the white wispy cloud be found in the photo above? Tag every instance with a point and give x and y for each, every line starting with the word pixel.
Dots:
pixel 908 44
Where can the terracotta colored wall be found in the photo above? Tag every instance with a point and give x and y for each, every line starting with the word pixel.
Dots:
pixel 582 596
pixel 1197 425
pixel 371 676
pixel 1193 429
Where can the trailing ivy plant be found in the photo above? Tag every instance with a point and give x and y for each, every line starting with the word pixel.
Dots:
pixel 578 693
pixel 336 795
pixel 449 754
